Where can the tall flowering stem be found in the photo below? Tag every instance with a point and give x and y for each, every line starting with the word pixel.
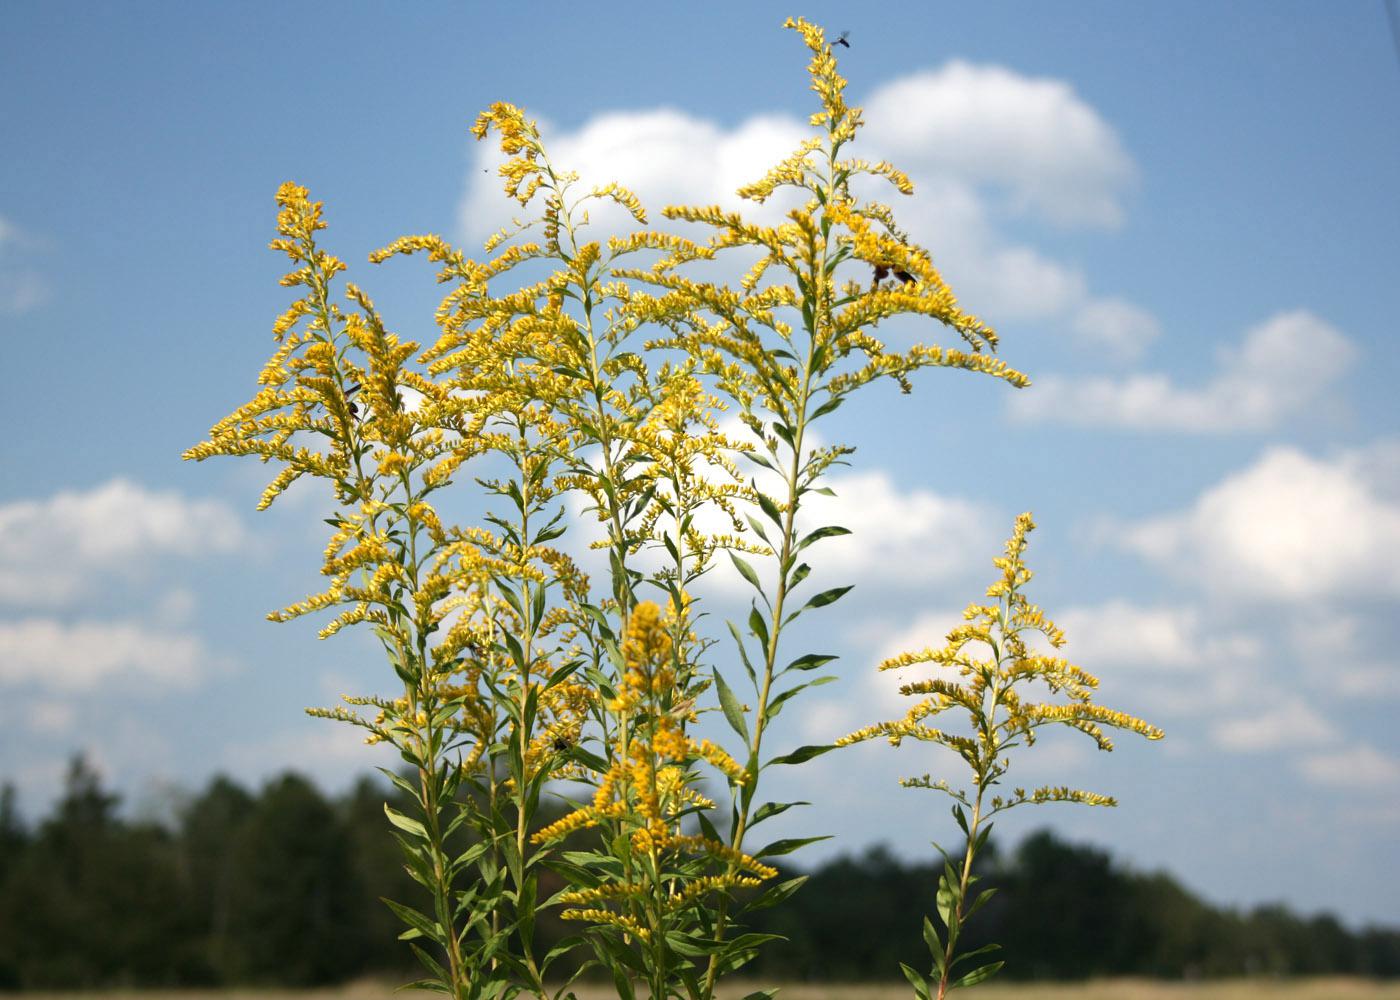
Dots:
pixel 786 349
pixel 991 690
pixel 463 613
pixel 515 679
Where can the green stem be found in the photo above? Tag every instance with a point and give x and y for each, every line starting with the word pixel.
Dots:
pixel 746 795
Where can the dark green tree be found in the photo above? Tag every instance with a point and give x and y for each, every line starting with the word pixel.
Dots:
pixel 296 914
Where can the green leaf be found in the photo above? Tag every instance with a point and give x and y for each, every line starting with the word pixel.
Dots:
pixel 916 981
pixel 935 944
pixel 979 902
pixel 707 828
pixel 562 673
pixel 743 653
pixel 961 818
pixel 975 952
pixel 685 944
pixel 776 705
pixel 596 613
pixel 830 531
pixel 810 661
pixel 416 921
pixel 537 606
pixel 982 836
pixel 978 975
pixel 786 846
pixel 770 508
pixel 472 853
pixel 733 710
pixel 758 626
pixel 517 651
pixel 759 459
pixel 748 574
pixel 757 526
pixel 801 755
pixel 769 809
pixel 827 597
pixel 403 783
pixel 778 893
pixel 405 823
pixel 826 407
pixel 550 532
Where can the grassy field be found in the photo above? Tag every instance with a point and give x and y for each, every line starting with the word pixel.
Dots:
pixel 1119 989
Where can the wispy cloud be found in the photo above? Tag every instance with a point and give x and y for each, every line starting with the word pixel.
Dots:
pixel 1291 724
pixel 1121 634
pixel 1281 367
pixel 56 549
pixel 22 287
pixel 78 657
pixel 1356 767
pixel 1289 527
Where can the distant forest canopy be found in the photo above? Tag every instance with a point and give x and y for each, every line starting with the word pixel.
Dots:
pixel 282 887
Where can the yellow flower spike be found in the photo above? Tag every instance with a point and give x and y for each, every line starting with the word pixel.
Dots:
pixel 1000 718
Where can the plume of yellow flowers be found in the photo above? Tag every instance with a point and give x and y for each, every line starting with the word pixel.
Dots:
pixel 990 689
pixel 987 688
pixel 646 793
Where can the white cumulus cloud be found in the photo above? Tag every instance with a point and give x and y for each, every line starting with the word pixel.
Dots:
pixel 52 550
pixel 980 143
pixel 1122 634
pixel 1290 724
pixel 1281 367
pixel 1289 527
pixel 1357 767
pixel 80 657
pixel 1116 327
pixel 1035 137
pixel 898 535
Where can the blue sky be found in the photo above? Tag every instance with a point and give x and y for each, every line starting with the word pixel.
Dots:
pixel 1182 218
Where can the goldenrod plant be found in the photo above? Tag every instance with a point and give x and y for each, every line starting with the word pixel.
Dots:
pixel 995 691
pixel 600 378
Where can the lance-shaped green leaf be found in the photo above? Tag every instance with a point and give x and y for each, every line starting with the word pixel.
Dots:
pixel 733 710
pixel 830 531
pixel 778 893
pixel 743 653
pixel 978 975
pixel 823 599
pixel 419 924
pixel 405 823
pixel 915 980
pixel 810 661
pixel 786 846
pixel 801 755
pixel 769 809
pixel 758 626
pixel 770 508
pixel 749 574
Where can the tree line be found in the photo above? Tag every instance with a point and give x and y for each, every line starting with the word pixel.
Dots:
pixel 281 886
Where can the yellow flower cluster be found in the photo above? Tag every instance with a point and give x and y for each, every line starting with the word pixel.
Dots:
pixel 647 787
pixel 987 688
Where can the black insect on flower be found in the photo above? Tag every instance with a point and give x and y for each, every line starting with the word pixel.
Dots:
pixel 842 39
pixel 881 273
pixel 905 278
pixel 562 743
pixel 354 410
